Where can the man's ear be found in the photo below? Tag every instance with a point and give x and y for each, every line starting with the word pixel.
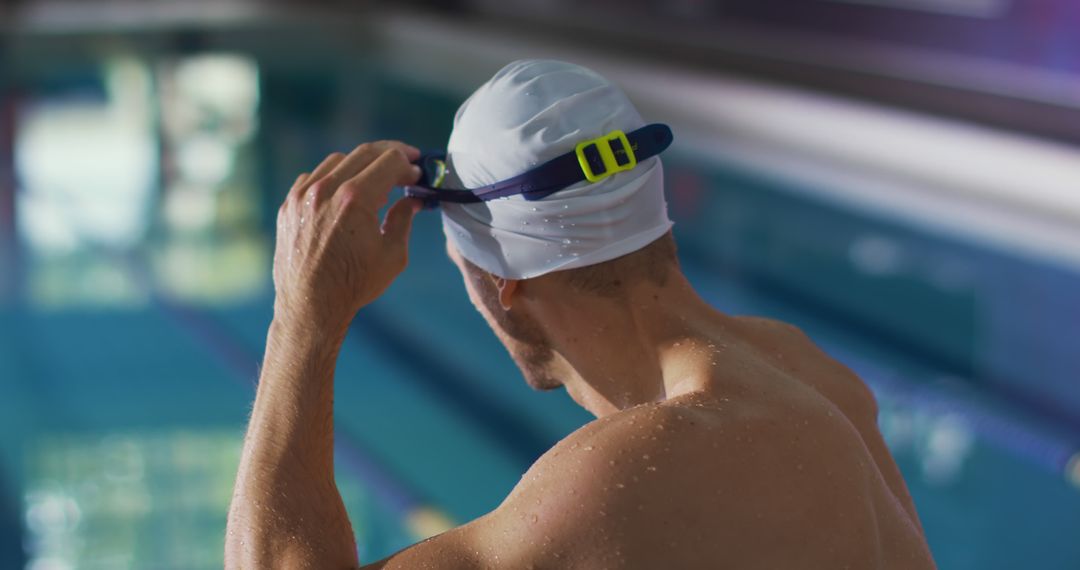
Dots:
pixel 507 291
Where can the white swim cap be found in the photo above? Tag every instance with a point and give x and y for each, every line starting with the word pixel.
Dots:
pixel 530 112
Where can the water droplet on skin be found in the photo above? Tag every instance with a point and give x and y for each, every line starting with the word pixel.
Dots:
pixel 566 241
pixel 525 223
pixel 650 468
pixel 534 518
pixel 646 456
pixel 565 206
pixel 588 448
pixel 561 226
pixel 534 208
pixel 546 220
pixel 620 486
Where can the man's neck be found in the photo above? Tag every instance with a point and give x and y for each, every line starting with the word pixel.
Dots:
pixel 649 346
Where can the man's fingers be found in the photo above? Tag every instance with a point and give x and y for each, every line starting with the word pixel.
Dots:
pixel 411 152
pixel 399 218
pixel 324 168
pixel 363 156
pixel 397 225
pixel 338 167
pixel 293 191
pixel 371 187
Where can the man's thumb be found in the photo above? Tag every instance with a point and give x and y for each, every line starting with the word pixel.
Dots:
pixel 398 222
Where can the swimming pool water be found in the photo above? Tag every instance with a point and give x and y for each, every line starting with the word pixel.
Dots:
pixel 121 420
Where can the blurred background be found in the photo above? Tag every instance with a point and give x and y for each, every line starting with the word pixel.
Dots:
pixel 901 178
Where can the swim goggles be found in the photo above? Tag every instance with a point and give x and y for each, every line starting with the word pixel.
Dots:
pixel 592 160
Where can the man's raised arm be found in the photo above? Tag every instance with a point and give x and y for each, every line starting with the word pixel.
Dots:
pixel 331 258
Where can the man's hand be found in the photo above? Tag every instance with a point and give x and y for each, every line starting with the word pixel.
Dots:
pixel 332 255
pixel 332 258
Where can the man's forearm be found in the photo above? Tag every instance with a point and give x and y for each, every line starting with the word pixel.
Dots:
pixel 332 256
pixel 286 510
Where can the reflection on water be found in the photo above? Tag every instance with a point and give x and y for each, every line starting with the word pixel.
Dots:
pixel 87 164
pixel 87 168
pixel 943 442
pixel 147 255
pixel 139 500
pixel 146 180
pixel 135 180
pixel 209 211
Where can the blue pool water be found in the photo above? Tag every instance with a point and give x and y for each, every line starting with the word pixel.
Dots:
pixel 121 418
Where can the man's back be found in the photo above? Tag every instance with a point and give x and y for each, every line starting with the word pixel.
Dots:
pixel 778 465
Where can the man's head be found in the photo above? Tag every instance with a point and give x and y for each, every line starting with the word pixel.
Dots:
pixel 591 239
pixel 516 324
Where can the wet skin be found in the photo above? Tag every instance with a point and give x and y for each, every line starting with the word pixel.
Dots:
pixel 776 463
pixel 720 442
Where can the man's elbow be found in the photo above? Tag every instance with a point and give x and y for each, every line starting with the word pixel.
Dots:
pixel 254 543
pixel 242 544
pixel 251 542
pixel 246 549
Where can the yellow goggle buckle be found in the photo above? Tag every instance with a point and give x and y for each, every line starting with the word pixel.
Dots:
pixel 440 173
pixel 607 155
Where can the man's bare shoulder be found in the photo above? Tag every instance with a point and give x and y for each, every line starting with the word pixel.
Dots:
pixel 694 482
pixel 674 484
pixel 655 443
pixel 804 360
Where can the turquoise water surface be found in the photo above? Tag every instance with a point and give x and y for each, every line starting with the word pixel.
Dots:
pixel 135 307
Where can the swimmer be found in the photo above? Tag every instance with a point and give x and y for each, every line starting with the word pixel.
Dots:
pixel 720 441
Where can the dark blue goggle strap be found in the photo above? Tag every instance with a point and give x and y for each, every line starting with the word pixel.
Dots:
pixel 554 175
